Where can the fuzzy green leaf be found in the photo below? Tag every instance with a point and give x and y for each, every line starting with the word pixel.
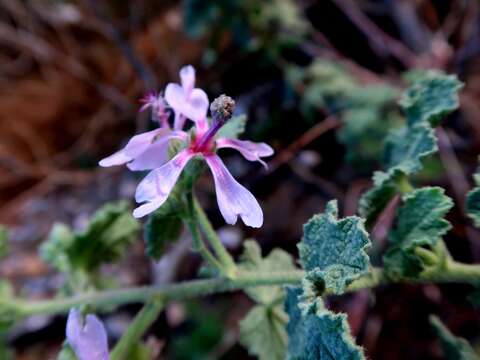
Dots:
pixel 419 223
pixel 277 260
pixel 454 348
pixel 233 128
pixel 406 147
pixel 420 220
pixel 332 251
pixel 430 98
pixel 110 231
pixel 163 227
pixel 316 333
pixel 376 199
pixel 263 332
pixel 473 200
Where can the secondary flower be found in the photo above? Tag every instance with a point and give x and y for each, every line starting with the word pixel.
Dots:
pixel 88 337
pixel 149 150
pixel 233 199
pixel 186 100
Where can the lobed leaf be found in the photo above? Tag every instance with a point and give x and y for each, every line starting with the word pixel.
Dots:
pixel 406 147
pixel 263 332
pixel 332 251
pixel 430 98
pixel 473 200
pixel 111 229
pixel 420 223
pixel 277 260
pixel 163 227
pixel 316 333
pixel 233 128
pixel 454 348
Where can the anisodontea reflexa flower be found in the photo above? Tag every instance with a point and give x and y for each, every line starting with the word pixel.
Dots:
pixel 233 199
pixel 150 151
pixel 87 337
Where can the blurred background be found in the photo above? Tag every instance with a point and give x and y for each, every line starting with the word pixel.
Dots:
pixel 319 80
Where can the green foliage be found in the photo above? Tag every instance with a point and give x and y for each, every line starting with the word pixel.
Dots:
pixel 406 147
pixel 430 98
pixel 9 313
pixel 454 348
pixel 163 227
pixel 277 260
pixel 80 254
pixel 420 224
pixel 426 102
pixel 263 332
pixel 473 200
pixel 233 128
pixel 317 333
pixel 332 251
pixel 367 111
pixel 385 187
pixel 3 241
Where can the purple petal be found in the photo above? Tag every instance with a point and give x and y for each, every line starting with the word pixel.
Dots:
pixel 156 154
pixel 250 150
pixel 187 77
pixel 136 146
pixel 88 340
pixel 158 184
pixel 233 199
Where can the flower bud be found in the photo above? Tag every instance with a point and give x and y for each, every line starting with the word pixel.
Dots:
pixel 222 108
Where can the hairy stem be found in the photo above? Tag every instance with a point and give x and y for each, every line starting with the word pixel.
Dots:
pixel 143 320
pixel 212 237
pixel 453 272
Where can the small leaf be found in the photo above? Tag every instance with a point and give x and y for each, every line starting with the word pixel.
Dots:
pixel 454 348
pixel 66 353
pixel 473 200
pixel 233 128
pixel 55 250
pixel 163 227
pixel 111 229
pixel 406 147
pixel 277 260
pixel 430 98
pixel 263 332
pixel 317 333
pixel 373 202
pixel 333 251
pixel 419 223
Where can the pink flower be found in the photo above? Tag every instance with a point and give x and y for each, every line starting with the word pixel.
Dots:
pixel 186 100
pixel 88 338
pixel 157 103
pixel 233 199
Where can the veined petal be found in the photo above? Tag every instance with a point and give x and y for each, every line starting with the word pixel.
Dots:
pixel 250 150
pixel 88 339
pixel 135 146
pixel 187 77
pixel 157 153
pixel 233 199
pixel 158 184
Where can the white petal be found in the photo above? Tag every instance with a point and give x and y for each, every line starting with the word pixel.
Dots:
pixel 233 199
pixel 119 158
pixel 139 143
pixel 197 105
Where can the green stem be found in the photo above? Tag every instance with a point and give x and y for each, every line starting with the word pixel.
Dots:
pixel 200 246
pixel 404 185
pixel 143 320
pixel 212 237
pixel 179 291
pixel 453 272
